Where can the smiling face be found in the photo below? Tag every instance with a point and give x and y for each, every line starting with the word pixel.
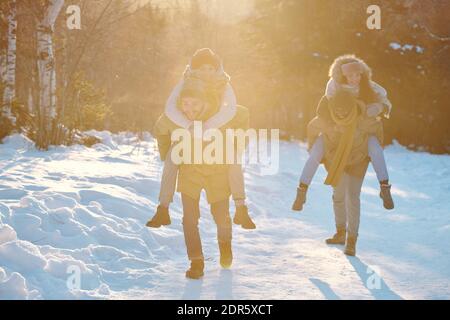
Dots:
pixel 192 107
pixel 341 111
pixel 206 71
pixel 353 78
pixel 342 104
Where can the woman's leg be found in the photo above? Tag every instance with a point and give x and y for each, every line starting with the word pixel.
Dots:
pixel 166 192
pixel 237 185
pixel 309 170
pixel 379 165
pixel 376 155
pixel 168 181
pixel 191 215
pixel 313 162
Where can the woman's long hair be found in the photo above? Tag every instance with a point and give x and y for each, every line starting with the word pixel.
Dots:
pixel 366 92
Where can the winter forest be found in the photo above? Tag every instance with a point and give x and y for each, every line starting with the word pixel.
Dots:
pixel 84 91
pixel 116 71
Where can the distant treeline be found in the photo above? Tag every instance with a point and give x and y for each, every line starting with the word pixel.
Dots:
pixel 118 70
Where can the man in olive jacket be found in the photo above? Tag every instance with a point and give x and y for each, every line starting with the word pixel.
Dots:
pixel 345 160
pixel 198 105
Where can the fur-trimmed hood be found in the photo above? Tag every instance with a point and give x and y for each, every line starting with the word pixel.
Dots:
pixel 335 71
pixel 336 80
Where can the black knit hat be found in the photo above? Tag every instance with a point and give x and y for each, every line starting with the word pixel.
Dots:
pixel 343 100
pixel 205 56
pixel 193 87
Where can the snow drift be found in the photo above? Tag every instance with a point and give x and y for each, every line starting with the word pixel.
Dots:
pixel 72 227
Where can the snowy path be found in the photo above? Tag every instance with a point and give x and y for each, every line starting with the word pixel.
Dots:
pixel 86 207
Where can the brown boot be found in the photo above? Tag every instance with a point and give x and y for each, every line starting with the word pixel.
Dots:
pixel 300 198
pixel 350 246
pixel 338 237
pixel 242 218
pixel 385 194
pixel 196 269
pixel 161 218
pixel 226 254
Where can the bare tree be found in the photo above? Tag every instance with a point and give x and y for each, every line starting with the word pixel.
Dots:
pixel 432 16
pixel 3 44
pixel 47 73
pixel 8 62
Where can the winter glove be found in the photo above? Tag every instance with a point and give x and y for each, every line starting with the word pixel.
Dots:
pixel 374 109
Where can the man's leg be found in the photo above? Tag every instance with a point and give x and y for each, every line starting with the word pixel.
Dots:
pixel 221 213
pixel 340 215
pixel 353 205
pixel 191 215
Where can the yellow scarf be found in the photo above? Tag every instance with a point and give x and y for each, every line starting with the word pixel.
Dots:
pixel 344 147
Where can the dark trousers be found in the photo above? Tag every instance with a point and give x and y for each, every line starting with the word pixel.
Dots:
pixel 191 215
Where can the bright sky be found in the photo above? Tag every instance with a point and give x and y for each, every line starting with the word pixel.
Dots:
pixel 225 10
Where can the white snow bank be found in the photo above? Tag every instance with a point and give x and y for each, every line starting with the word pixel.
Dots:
pixel 406 47
pixel 72 226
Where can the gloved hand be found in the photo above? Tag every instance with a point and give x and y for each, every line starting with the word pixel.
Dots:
pixel 374 109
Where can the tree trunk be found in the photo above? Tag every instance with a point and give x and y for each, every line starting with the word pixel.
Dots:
pixel 3 48
pixel 9 61
pixel 2 66
pixel 47 73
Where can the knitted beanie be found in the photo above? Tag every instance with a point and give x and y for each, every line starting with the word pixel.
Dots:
pixel 205 56
pixel 343 100
pixel 196 88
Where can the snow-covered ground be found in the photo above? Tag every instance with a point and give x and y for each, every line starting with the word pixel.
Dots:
pixel 81 211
